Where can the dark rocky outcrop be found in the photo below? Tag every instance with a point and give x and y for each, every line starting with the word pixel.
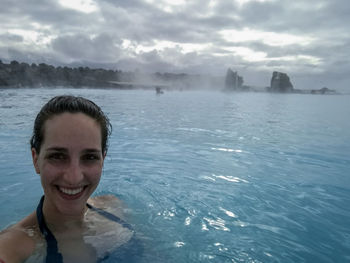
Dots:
pixel 280 82
pixel 233 81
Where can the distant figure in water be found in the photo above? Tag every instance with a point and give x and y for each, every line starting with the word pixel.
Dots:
pixel 68 146
pixel 159 90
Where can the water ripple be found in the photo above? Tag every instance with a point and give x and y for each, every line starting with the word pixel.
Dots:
pixel 229 178
pixel 227 150
pixel 218 223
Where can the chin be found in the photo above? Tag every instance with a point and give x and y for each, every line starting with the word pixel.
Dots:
pixel 72 205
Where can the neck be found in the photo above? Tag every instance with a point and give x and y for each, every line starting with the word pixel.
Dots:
pixel 58 221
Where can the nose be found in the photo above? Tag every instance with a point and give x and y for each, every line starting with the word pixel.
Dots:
pixel 74 173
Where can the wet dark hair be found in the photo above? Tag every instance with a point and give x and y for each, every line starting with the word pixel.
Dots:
pixel 61 104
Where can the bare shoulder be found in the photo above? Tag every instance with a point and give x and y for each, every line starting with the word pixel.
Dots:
pixel 104 201
pixel 109 203
pixel 105 233
pixel 18 241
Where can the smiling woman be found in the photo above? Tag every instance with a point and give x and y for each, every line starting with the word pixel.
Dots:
pixel 68 145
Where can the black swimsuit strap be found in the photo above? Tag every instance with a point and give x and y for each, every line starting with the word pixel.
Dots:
pixel 52 254
pixel 110 216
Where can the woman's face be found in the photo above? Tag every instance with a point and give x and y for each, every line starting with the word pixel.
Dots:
pixel 70 162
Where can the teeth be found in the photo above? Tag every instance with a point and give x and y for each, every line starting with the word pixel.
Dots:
pixel 71 191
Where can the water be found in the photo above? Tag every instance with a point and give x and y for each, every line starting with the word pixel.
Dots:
pixel 208 176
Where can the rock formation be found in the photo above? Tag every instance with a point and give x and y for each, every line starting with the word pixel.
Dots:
pixel 280 82
pixel 233 81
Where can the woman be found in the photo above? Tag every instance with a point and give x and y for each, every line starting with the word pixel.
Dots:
pixel 69 145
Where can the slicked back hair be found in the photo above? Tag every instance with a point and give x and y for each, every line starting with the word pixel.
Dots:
pixel 71 104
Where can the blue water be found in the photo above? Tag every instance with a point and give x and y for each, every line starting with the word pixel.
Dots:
pixel 208 176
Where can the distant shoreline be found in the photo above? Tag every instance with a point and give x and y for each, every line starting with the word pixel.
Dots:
pixel 23 75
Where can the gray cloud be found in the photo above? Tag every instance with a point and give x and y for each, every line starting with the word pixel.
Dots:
pixel 152 36
pixel 10 38
pixel 101 48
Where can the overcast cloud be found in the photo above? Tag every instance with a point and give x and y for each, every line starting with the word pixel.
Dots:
pixel 309 40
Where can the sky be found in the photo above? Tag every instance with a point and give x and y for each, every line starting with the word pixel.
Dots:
pixel 309 40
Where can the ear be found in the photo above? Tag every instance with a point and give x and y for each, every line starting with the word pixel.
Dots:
pixel 35 157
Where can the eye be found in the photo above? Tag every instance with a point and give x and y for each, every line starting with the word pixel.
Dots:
pixel 57 156
pixel 91 157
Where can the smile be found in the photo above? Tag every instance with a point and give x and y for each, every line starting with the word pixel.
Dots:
pixel 71 191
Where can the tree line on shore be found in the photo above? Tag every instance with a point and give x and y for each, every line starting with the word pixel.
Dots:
pixel 15 74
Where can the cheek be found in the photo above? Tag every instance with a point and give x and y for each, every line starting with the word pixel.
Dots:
pixel 49 172
pixel 94 174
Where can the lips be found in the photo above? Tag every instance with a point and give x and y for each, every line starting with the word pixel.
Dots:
pixel 70 191
pixel 70 200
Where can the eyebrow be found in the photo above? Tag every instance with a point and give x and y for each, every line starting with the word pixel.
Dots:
pixel 92 151
pixel 57 149
pixel 61 149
